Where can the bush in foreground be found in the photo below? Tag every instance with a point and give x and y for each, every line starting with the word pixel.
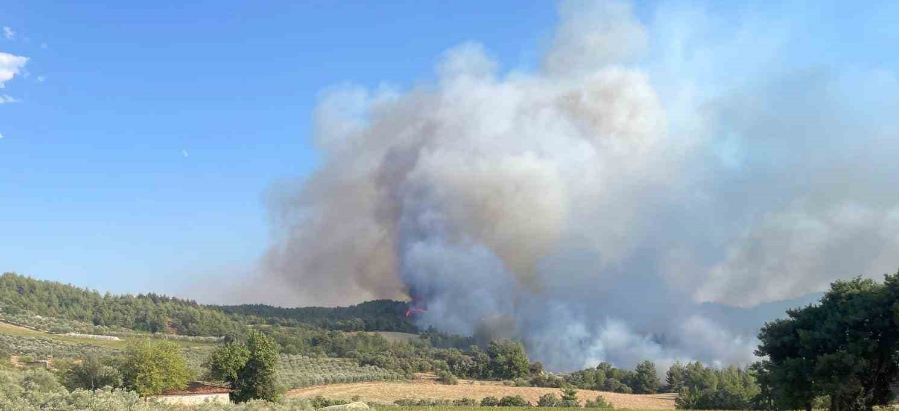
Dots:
pixel 490 401
pixel 465 402
pixel 513 401
pixel 599 402
pixel 569 398
pixel 548 400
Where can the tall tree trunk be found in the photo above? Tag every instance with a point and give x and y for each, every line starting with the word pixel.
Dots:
pixel 834 402
pixel 808 406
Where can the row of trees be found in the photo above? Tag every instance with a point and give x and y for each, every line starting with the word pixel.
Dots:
pixel 147 367
pixel 501 360
pixel 605 377
pixel 705 388
pixel 151 367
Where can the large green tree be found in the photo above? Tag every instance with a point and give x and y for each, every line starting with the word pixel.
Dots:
pixel 674 378
pixel 508 360
pixel 249 367
pixel 646 380
pixel 845 347
pixel 151 367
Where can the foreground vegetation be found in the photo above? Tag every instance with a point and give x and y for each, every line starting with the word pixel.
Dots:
pixel 839 354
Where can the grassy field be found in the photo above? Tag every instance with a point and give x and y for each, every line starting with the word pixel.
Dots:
pixel 388 392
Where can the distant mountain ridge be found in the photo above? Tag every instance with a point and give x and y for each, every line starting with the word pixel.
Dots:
pixel 751 319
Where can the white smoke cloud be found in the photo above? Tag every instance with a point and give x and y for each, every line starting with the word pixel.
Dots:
pixel 594 203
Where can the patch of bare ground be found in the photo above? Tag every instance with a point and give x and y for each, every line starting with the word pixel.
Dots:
pixel 388 392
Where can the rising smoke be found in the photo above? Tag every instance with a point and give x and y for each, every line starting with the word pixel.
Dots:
pixel 588 207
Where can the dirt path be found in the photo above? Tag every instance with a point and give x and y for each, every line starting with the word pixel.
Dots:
pixel 387 392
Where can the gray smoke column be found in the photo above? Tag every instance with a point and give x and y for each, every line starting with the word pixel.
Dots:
pixel 588 207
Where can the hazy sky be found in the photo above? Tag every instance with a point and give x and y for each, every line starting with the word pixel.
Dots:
pixel 138 143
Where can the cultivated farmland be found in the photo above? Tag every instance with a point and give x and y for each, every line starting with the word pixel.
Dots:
pixel 296 371
pixel 388 392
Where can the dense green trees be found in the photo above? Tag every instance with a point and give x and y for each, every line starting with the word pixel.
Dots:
pixel 158 313
pixel 844 347
pixel 151 367
pixel 144 312
pixel 508 360
pixel 378 315
pixel 249 367
pixel 674 378
pixel 706 388
pixel 646 380
pixel 605 377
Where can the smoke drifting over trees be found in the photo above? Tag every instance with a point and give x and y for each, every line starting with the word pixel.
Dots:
pixel 593 203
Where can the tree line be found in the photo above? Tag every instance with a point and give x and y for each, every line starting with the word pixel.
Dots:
pixel 156 313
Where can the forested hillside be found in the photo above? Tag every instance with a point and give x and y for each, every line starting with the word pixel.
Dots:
pixel 162 314
pixel 143 312
pixel 378 315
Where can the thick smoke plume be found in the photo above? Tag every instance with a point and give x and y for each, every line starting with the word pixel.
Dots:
pixel 590 206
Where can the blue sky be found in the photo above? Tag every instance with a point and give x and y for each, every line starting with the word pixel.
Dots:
pixel 144 136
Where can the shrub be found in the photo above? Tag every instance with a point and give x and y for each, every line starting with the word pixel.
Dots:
pixel 546 380
pixel 92 374
pixel 490 401
pixel 513 401
pixel 465 402
pixel 446 377
pixel 41 380
pixel 321 402
pixel 402 402
pixel 521 382
pixel 548 400
pixel 600 402
pixel 424 402
pixel 569 398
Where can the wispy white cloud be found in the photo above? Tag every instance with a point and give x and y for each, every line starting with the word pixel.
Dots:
pixel 8 33
pixel 41 79
pixel 7 99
